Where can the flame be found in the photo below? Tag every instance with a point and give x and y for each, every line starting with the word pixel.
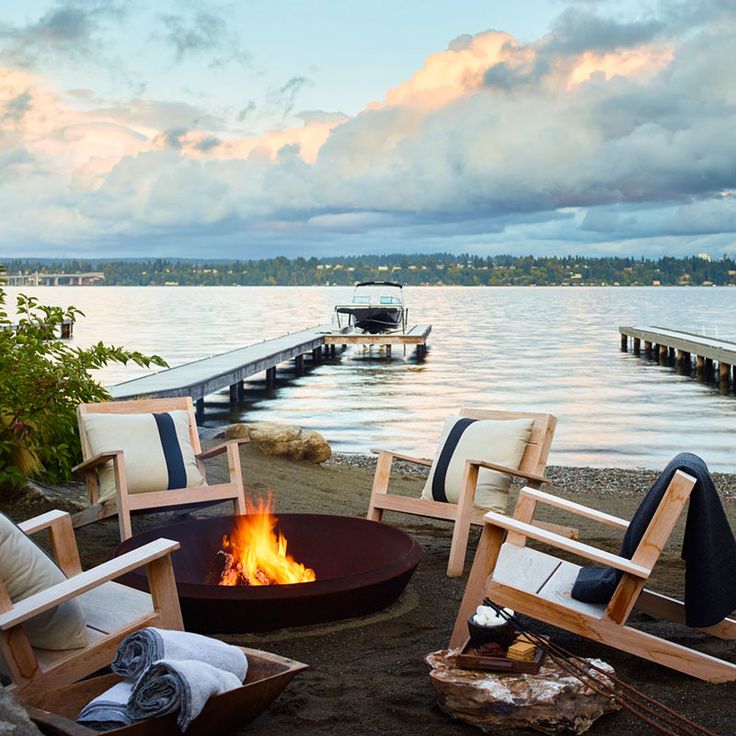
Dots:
pixel 255 555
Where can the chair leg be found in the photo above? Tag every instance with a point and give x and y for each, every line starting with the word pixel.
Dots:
pixel 380 485
pixel 460 533
pixel 162 584
pixel 489 547
pixel 236 478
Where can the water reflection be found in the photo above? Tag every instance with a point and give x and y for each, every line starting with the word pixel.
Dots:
pixel 544 349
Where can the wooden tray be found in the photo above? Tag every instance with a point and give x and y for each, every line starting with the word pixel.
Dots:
pixel 268 674
pixel 467 661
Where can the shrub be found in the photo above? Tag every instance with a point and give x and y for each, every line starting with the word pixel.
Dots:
pixel 42 379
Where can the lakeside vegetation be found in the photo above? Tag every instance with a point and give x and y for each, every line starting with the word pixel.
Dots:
pixel 424 269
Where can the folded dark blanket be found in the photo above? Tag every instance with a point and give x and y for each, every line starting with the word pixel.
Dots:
pixel 182 687
pixel 709 549
pixel 109 710
pixel 142 648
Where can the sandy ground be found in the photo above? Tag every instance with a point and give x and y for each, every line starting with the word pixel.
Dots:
pixel 367 676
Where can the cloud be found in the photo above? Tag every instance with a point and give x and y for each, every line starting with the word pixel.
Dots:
pixel 493 144
pixel 202 34
pixel 69 30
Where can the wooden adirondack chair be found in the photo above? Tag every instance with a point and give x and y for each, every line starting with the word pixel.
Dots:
pixel 126 502
pixel 464 513
pixel 537 584
pixel 112 611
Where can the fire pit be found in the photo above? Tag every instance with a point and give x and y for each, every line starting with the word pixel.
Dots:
pixel 361 566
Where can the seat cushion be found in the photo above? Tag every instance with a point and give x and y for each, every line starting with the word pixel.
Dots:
pixel 156 448
pixel 26 569
pixel 497 441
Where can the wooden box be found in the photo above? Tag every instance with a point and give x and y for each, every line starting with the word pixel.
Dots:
pixel 268 674
pixel 469 660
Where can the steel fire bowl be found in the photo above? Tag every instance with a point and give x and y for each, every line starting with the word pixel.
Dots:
pixel 361 566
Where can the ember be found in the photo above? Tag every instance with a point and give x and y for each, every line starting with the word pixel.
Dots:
pixel 256 555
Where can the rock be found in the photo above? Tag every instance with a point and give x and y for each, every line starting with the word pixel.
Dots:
pixel 14 721
pixel 283 440
pixel 550 702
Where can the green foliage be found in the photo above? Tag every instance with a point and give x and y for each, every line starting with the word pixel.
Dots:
pixel 415 269
pixel 42 379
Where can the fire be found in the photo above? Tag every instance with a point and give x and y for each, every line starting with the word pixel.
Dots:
pixel 256 555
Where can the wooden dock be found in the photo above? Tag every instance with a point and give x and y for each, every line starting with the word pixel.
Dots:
pixel 208 375
pixel 415 335
pixel 683 346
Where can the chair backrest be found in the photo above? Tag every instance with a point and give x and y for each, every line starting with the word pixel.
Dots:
pixel 534 459
pixel 138 406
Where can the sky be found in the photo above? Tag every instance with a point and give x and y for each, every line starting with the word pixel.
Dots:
pixel 191 128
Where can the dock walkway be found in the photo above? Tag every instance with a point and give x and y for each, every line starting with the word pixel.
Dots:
pixel 208 375
pixel 668 343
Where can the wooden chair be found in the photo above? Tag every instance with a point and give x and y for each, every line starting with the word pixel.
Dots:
pixel 464 513
pixel 537 584
pixel 125 502
pixel 112 611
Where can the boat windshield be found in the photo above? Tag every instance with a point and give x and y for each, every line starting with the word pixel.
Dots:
pixel 390 300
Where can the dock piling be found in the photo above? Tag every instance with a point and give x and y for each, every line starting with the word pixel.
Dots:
pixel 271 378
pixel 683 346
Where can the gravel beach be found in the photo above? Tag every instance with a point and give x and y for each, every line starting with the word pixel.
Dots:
pixel 367 676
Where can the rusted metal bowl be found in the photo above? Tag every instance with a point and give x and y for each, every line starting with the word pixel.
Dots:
pixel 361 566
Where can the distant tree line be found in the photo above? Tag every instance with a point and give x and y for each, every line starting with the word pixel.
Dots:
pixel 424 269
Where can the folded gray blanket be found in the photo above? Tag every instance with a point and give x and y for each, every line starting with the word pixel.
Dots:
pixel 178 686
pixel 109 710
pixel 142 648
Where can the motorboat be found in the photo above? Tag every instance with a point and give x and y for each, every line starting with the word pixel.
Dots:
pixel 376 306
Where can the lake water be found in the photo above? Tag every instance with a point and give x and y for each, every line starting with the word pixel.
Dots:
pixel 544 349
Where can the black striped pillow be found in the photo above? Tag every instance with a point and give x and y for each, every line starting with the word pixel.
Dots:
pixel 157 449
pixel 497 441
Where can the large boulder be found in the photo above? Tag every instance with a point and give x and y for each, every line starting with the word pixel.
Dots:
pixel 550 702
pixel 283 440
pixel 14 720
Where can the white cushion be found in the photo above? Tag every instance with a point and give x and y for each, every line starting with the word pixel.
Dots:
pixel 497 441
pixel 151 452
pixel 26 569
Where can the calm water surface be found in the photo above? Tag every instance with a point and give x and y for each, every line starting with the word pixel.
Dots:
pixel 544 349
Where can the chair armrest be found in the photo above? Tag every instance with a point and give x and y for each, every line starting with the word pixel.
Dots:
pixel 84 581
pixel 568 545
pixel 63 541
pixel 96 461
pixel 574 508
pixel 509 471
pixel 219 449
pixel 43 521
pixel 401 456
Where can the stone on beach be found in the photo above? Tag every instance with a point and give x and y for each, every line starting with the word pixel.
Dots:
pixel 550 702
pixel 283 440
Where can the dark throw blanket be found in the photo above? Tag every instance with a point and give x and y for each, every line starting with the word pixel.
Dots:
pixel 709 549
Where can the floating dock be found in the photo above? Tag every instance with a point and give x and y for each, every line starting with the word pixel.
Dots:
pixel 667 343
pixel 208 375
pixel 415 335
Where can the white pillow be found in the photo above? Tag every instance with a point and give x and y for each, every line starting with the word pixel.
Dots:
pixel 157 450
pixel 499 441
pixel 26 569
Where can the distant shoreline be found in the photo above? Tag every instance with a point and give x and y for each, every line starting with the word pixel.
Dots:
pixel 439 269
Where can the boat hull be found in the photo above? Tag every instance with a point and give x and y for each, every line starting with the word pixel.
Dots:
pixel 374 319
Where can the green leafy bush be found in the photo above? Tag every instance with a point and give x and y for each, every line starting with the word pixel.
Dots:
pixel 42 380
